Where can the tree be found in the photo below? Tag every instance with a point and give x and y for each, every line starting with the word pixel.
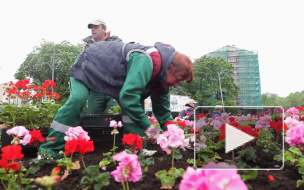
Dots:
pixel 295 100
pixel 205 86
pixel 38 65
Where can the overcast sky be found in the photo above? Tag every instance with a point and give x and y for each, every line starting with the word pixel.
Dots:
pixel 273 28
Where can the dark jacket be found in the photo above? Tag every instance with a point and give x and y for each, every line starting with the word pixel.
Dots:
pixel 102 67
pixel 187 112
pixel 88 40
pixel 215 114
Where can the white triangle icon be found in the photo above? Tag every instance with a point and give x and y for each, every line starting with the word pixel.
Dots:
pixel 235 138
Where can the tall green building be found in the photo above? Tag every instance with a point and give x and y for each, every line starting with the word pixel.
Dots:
pixel 246 73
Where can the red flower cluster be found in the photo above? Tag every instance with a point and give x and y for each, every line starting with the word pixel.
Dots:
pixel 200 115
pixel 14 90
pixel 169 123
pixel 246 129
pixel 134 141
pixel 182 123
pixel 10 153
pixel 36 136
pixel 78 145
pixel 49 84
pixel 192 131
pixel 278 125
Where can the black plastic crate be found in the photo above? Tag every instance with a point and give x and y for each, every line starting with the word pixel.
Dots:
pixel 98 127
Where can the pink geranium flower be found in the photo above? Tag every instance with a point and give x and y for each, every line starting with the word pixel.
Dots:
pixel 21 135
pixel 174 137
pixel 212 179
pixel 114 124
pixel 129 168
pixel 76 133
pixel 295 135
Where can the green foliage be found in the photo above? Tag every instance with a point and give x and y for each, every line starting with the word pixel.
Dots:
pixel 38 65
pixel 36 163
pixel 249 153
pixel 29 116
pixel 12 179
pixel 249 174
pixel 205 86
pixel 93 179
pixel 266 141
pixel 292 100
pixel 114 110
pixel 295 157
pixel 209 153
pixel 145 163
pixel 168 178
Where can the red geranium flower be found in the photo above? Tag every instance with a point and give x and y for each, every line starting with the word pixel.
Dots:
pixel 250 131
pixel 134 141
pixel 12 152
pixel 199 115
pixel 182 123
pixel 278 126
pixel 78 145
pixel 270 178
pixel 36 136
pixel 169 123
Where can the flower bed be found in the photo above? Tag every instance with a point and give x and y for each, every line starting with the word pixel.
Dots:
pixel 209 153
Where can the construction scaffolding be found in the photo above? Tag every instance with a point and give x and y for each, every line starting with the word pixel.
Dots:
pixel 246 74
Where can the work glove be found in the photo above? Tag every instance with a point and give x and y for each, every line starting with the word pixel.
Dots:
pixel 152 134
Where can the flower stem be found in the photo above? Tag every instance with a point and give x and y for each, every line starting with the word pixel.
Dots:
pixel 122 182
pixel 278 134
pixel 3 184
pixel 127 185
pixel 19 177
pixel 83 162
pixel 114 144
pixel 233 156
pixel 173 150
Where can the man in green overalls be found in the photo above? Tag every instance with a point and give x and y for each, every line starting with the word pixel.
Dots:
pixel 97 102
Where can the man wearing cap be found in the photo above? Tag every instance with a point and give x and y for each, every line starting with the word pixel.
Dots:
pixel 129 73
pixel 217 111
pixel 97 102
pixel 188 111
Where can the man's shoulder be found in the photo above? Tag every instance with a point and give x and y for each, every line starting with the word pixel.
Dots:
pixel 114 38
pixel 87 39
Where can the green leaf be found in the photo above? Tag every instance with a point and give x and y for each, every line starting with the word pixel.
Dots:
pixel 252 174
pixel 167 180
pixel 295 151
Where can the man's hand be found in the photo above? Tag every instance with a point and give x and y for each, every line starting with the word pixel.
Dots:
pixel 152 134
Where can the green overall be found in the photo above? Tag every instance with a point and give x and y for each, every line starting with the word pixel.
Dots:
pixel 139 72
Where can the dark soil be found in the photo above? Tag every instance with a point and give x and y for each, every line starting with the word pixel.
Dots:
pixel 283 179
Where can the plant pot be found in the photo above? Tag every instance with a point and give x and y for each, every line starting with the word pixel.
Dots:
pixel 98 127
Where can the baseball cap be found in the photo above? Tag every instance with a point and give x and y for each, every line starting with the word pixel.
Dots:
pixel 191 101
pixel 217 107
pixel 96 23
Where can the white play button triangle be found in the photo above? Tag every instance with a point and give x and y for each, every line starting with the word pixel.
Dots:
pixel 235 138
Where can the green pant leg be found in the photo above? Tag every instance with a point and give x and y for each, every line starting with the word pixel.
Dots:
pixel 53 147
pixel 97 102
pixel 69 115
pixel 71 112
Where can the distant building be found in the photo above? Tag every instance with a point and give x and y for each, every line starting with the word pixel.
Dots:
pixel 246 73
